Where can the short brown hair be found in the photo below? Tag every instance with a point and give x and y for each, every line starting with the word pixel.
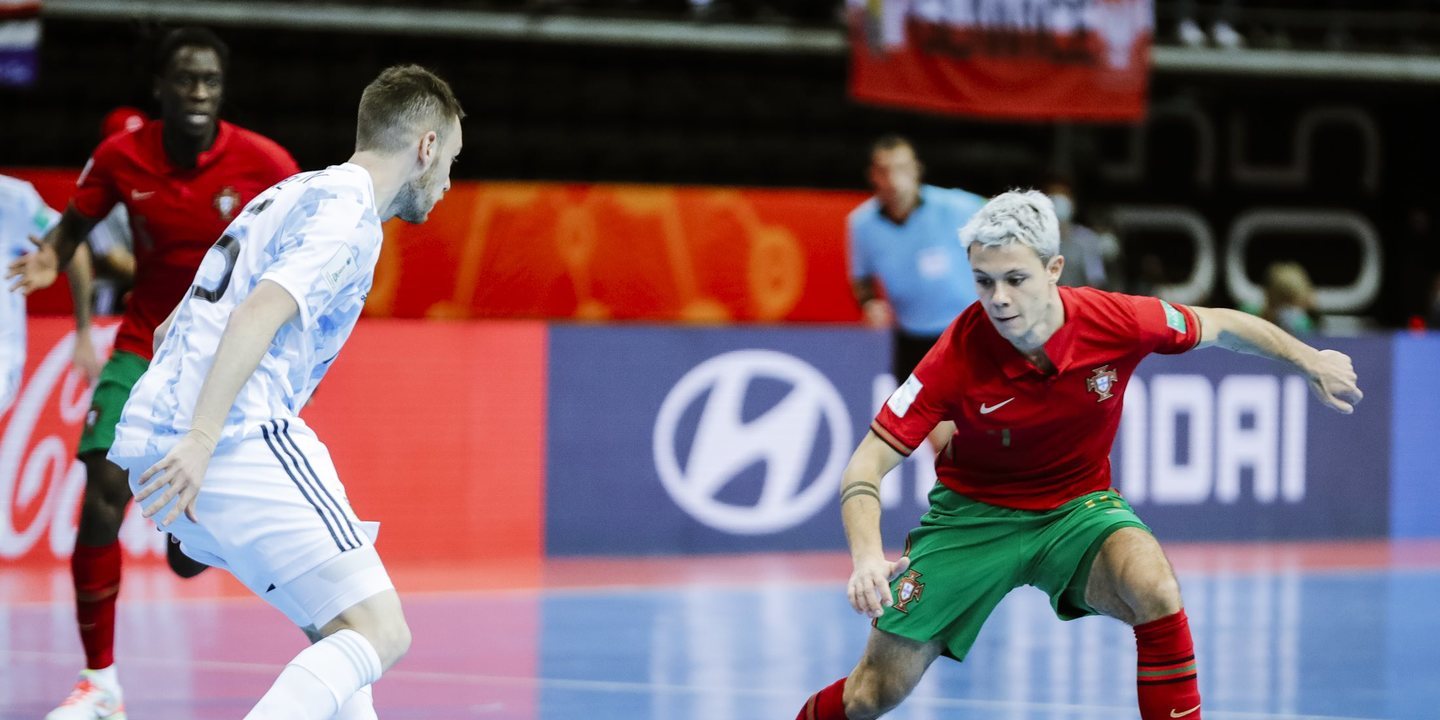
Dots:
pixel 890 141
pixel 403 99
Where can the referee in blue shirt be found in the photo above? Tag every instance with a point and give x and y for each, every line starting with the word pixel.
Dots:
pixel 906 241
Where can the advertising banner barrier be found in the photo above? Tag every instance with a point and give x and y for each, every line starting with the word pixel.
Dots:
pixel 1216 445
pixel 673 440
pixel 436 430
pixel 666 440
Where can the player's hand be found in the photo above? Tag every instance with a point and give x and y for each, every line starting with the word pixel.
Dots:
pixel 179 474
pixel 86 360
pixel 1332 377
pixel 869 587
pixel 34 271
pixel 877 313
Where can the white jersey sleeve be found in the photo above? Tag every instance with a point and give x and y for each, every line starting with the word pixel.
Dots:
pixel 320 250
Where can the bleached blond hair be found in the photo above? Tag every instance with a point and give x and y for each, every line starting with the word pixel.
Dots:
pixel 1026 217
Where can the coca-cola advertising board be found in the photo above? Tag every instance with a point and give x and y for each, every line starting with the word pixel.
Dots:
pixel 436 429
pixel 40 479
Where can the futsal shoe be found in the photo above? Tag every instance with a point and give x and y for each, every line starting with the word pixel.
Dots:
pixel 183 565
pixel 90 700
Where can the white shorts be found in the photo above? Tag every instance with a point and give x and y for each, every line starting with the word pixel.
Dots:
pixel 9 387
pixel 273 513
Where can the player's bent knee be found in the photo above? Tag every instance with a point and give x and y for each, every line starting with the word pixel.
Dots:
pixel 1157 597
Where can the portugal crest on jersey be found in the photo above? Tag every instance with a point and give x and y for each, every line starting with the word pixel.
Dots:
pixel 1102 382
pixel 908 591
pixel 227 201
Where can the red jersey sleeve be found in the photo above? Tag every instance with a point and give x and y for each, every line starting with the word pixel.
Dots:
pixel 95 190
pixel 272 155
pixel 284 165
pixel 920 403
pixel 1164 327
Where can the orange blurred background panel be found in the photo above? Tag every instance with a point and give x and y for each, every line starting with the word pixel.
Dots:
pixel 600 252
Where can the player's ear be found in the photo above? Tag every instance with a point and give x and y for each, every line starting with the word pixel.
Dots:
pixel 428 150
pixel 1057 264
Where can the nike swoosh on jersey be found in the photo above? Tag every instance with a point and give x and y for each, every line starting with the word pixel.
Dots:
pixel 1174 714
pixel 137 196
pixel 987 409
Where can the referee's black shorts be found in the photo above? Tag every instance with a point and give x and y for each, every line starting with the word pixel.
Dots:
pixel 909 350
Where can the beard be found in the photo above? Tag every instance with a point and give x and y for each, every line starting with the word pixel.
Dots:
pixel 416 198
pixel 408 204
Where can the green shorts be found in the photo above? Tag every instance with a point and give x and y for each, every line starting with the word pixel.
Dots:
pixel 116 379
pixel 967 555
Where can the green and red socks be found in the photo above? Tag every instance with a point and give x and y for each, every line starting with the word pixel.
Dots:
pixel 96 571
pixel 1166 679
pixel 828 704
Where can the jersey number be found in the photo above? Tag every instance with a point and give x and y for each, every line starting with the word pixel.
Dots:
pixel 229 249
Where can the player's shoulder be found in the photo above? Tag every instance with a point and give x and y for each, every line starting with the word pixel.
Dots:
pixel 863 213
pixel 14 190
pixel 259 146
pixel 127 145
pixel 955 198
pixel 339 189
pixel 960 336
pixel 1103 312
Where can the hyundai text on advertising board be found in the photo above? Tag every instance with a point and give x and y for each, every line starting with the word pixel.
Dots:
pixel 715 440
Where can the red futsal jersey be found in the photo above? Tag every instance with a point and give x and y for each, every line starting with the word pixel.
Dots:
pixel 175 214
pixel 1026 439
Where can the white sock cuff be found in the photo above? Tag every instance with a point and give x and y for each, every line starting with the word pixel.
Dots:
pixel 359 652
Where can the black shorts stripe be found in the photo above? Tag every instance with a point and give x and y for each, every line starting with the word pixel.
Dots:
pixel 331 508
pixel 346 527
pixel 301 487
pixel 1167 681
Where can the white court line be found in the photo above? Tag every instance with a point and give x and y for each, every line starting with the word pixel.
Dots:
pixel 617 687
pixel 737 585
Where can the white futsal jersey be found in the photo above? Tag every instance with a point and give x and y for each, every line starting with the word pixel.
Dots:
pixel 23 215
pixel 317 235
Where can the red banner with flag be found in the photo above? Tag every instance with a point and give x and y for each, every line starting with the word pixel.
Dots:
pixel 1083 60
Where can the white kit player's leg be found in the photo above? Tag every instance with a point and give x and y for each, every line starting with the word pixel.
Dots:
pixel 354 603
pixel 360 706
pixel 273 513
pixel 321 679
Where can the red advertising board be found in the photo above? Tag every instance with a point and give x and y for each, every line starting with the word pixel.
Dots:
pixel 437 430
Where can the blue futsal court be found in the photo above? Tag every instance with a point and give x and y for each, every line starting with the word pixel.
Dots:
pixel 1283 632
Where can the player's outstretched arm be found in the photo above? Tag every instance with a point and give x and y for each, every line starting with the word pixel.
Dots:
pixel 1332 375
pixel 249 332
pixel 38 269
pixel 82 292
pixel 869 587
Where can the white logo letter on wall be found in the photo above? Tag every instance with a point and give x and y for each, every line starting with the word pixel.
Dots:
pixel 784 439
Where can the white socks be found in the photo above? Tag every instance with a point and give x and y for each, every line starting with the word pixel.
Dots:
pixel 107 678
pixel 320 679
pixel 360 706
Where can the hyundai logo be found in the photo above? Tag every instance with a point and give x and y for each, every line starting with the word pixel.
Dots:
pixel 783 439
